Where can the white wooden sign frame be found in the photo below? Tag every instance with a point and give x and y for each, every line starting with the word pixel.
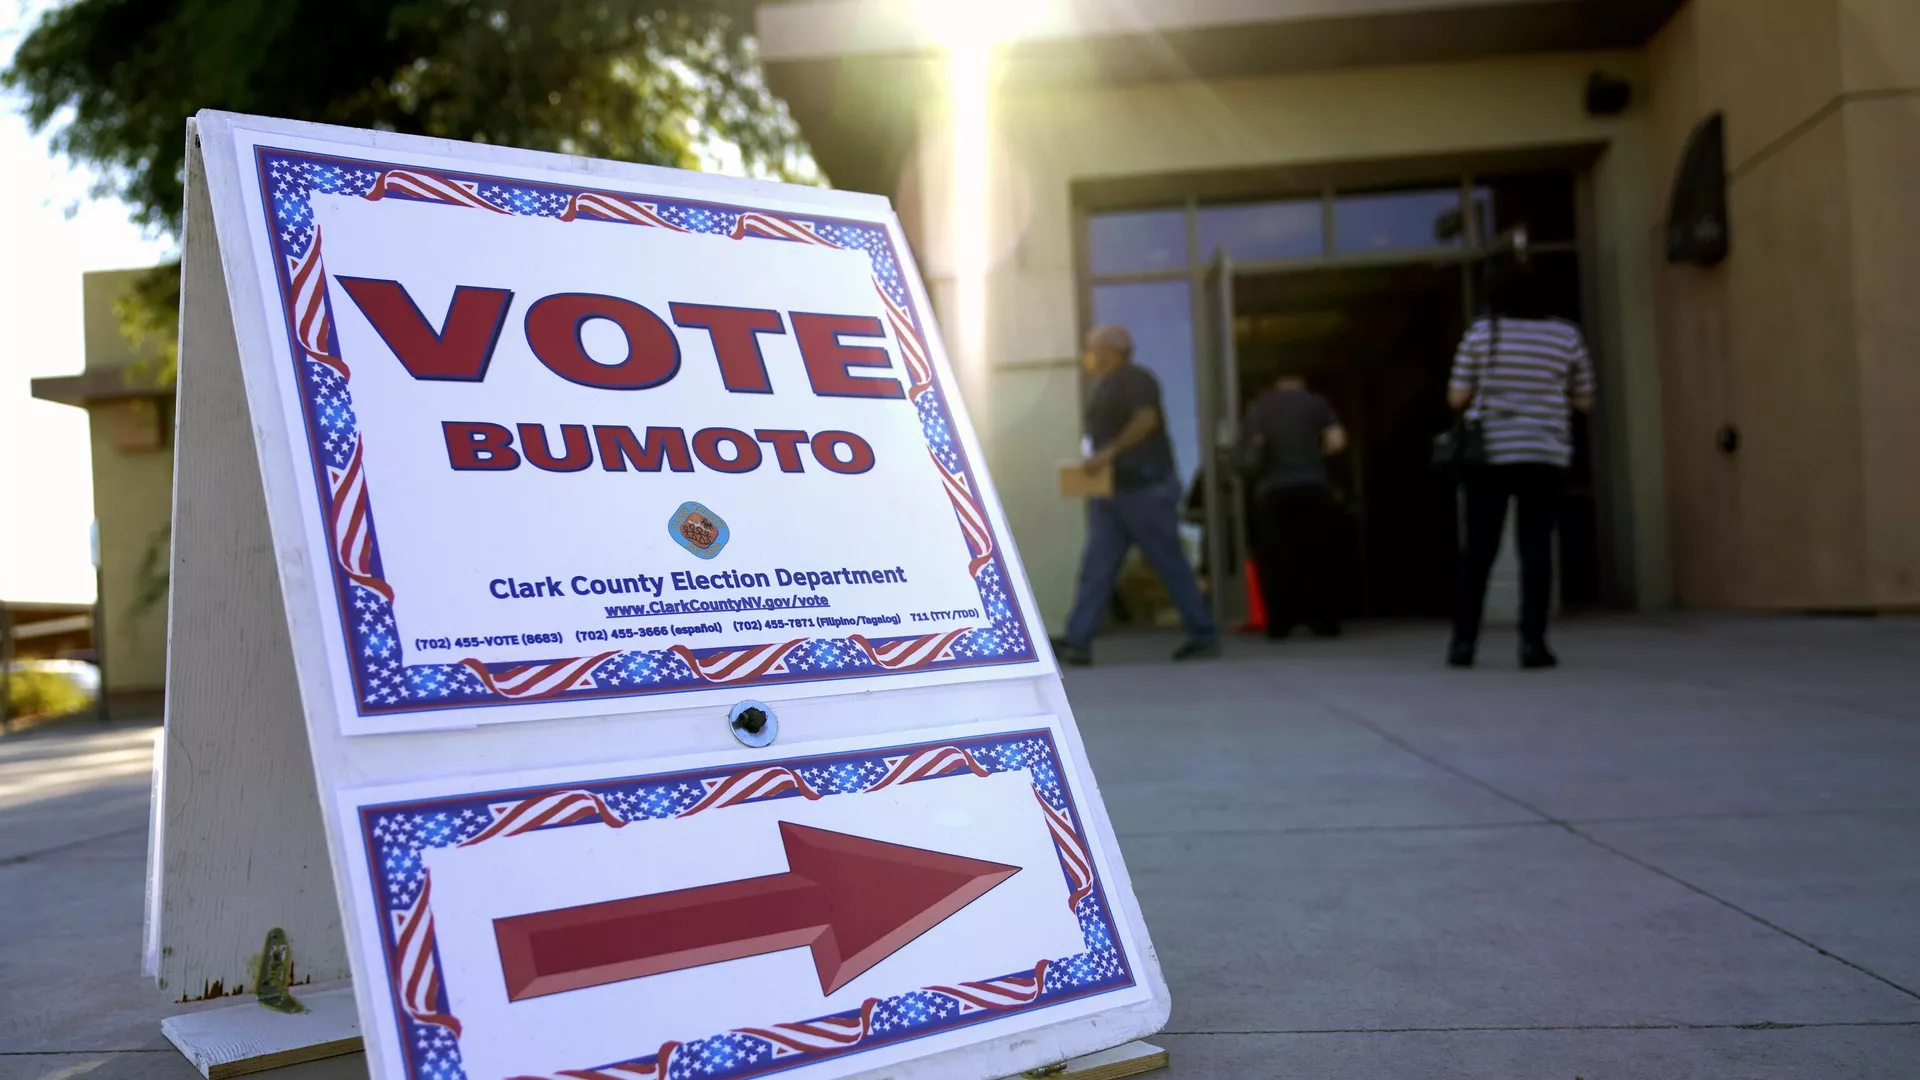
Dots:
pixel 240 831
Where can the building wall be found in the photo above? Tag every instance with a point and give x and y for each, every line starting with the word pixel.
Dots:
pixel 132 506
pixel 1026 400
pixel 1803 338
pixel 1880 63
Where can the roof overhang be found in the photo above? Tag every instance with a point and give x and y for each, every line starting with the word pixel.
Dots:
pixel 853 72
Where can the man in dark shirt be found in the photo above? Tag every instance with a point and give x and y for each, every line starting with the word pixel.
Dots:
pixel 1124 424
pixel 1286 437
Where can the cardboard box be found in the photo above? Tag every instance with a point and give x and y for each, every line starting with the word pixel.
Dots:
pixel 1077 483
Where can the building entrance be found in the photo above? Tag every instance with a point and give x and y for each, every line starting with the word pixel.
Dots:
pixel 1365 295
pixel 1376 343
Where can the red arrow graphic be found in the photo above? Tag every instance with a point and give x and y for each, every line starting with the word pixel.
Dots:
pixel 852 900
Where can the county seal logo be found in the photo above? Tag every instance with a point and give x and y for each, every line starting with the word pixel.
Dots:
pixel 698 529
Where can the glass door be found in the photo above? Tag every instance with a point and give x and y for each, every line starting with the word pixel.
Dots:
pixel 1224 500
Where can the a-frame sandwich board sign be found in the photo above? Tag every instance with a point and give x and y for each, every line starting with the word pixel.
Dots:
pixel 675 698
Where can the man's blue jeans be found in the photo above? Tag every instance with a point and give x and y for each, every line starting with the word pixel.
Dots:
pixel 1150 518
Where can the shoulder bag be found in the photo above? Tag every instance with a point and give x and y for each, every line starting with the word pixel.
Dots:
pixel 1464 444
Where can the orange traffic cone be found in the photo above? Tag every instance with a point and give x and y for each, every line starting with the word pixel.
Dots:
pixel 1256 607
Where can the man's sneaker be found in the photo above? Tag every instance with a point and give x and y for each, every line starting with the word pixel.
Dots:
pixel 1070 654
pixel 1197 650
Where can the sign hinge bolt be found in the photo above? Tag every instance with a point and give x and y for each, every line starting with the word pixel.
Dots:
pixel 753 723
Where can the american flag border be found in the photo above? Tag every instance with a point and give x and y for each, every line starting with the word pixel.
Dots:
pixel 429 1034
pixel 383 683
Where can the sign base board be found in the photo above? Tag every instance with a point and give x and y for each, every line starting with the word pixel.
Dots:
pixel 251 1038
pixel 246 1040
pixel 1132 1059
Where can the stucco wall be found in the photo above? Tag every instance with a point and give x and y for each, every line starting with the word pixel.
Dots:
pixel 1880 63
pixel 1804 337
pixel 1026 403
pixel 132 504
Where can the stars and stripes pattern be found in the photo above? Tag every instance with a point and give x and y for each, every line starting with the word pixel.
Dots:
pixel 614 208
pixel 998 993
pixel 753 785
pixel 973 520
pixel 904 654
pixel 430 187
pixel 542 811
pixel 312 322
pixel 777 781
pixel 1073 852
pixel 919 369
pixel 541 679
pixel 738 664
pixel 774 227
pixel 350 520
pixel 418 959
pixel 928 762
pixel 840 1033
pixel 828 1034
pixel 400 834
pixel 419 967
pixel 384 681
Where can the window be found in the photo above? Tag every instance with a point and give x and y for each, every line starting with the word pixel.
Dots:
pixel 1543 201
pixel 1368 224
pixel 1137 242
pixel 1259 232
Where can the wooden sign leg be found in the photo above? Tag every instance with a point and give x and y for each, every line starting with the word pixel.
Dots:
pixel 238 847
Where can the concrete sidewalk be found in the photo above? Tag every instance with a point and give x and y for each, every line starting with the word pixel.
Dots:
pixel 1694 851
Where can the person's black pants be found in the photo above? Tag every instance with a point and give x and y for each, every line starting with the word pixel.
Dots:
pixel 1294 549
pixel 1535 490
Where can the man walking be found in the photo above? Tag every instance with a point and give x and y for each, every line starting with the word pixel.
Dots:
pixel 1129 435
pixel 1287 435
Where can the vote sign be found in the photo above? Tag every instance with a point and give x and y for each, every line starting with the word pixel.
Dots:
pixel 609 450
pixel 568 442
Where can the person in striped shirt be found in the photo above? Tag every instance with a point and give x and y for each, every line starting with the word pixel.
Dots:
pixel 1521 376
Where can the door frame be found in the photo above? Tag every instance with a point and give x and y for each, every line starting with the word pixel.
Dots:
pixel 1217 363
